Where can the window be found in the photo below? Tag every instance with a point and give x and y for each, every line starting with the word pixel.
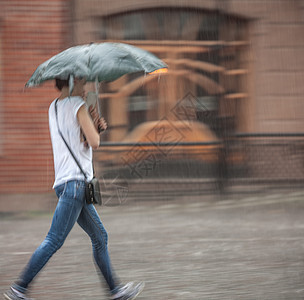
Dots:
pixel 203 50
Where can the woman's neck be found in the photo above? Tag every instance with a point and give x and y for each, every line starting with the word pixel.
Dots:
pixel 64 93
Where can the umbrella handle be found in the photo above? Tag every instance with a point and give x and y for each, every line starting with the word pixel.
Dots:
pixel 97 96
pixel 97 86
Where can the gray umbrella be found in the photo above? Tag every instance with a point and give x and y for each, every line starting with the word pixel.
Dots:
pixel 96 62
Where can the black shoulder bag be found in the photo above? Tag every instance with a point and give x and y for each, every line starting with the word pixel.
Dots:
pixel 92 188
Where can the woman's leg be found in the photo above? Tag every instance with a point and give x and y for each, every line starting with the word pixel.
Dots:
pixel 92 225
pixel 67 212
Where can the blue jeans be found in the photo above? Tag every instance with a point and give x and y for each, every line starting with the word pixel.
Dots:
pixel 71 207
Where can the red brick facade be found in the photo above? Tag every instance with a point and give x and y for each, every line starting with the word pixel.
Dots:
pixel 31 31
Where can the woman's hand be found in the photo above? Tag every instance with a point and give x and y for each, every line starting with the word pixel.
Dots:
pixel 99 123
pixel 102 126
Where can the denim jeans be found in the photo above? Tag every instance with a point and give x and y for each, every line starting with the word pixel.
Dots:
pixel 71 207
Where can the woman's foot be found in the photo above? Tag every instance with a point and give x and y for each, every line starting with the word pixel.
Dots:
pixel 13 294
pixel 129 291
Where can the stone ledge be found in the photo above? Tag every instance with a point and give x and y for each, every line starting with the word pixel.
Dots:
pixel 27 202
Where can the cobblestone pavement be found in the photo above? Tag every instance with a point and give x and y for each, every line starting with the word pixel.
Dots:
pixel 244 247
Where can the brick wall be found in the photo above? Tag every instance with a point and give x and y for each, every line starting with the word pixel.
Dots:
pixel 30 32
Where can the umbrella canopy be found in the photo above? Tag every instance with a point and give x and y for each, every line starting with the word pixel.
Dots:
pixel 96 62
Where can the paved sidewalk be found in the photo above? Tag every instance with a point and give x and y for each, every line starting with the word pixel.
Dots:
pixel 244 247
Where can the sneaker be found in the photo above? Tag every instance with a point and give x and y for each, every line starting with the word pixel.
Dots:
pixel 128 291
pixel 13 294
pixel 121 290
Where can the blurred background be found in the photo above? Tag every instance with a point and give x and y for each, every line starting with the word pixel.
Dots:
pixel 228 114
pixel 208 157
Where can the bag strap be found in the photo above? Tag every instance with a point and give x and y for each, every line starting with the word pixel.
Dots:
pixel 73 155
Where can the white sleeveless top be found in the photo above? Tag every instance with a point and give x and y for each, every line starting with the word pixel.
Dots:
pixel 66 168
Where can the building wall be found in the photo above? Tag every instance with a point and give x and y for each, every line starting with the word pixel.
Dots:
pixel 31 32
pixel 279 68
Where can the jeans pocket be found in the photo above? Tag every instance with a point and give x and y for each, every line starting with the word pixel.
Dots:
pixel 60 190
pixel 64 188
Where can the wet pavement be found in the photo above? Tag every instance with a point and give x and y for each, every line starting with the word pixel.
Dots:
pixel 199 247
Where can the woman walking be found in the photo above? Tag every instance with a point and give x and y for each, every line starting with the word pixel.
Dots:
pixel 69 115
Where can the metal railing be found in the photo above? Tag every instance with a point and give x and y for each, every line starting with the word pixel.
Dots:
pixel 269 158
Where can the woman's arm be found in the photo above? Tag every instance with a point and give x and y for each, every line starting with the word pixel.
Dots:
pixel 88 127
